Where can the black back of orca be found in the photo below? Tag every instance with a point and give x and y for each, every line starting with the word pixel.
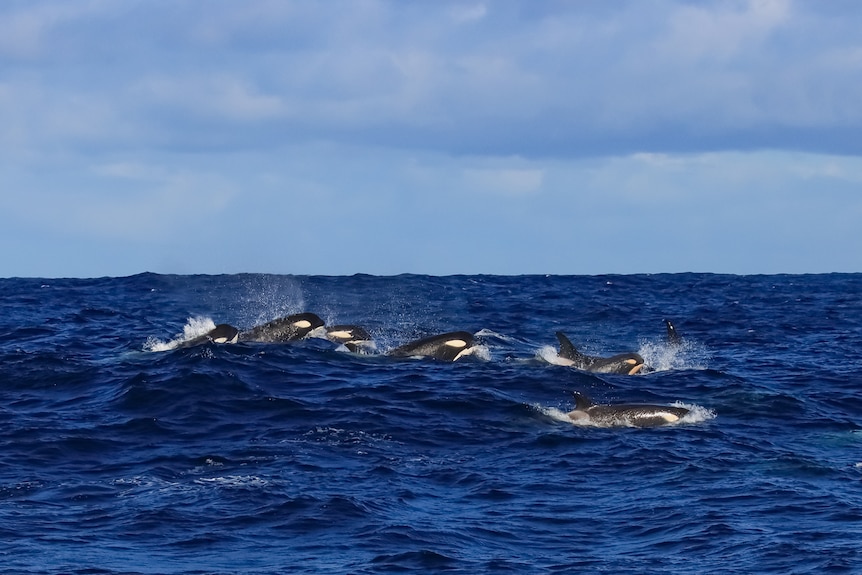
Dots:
pixel 636 414
pixel 283 329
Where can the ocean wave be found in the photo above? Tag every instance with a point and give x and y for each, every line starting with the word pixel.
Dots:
pixel 266 458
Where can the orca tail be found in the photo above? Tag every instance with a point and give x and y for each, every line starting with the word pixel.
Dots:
pixel 673 338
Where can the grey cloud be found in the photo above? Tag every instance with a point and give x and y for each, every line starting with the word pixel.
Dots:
pixel 496 78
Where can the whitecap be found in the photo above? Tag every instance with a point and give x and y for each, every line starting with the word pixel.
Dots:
pixel 234 481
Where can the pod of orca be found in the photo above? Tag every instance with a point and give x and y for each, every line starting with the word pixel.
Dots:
pixel 451 347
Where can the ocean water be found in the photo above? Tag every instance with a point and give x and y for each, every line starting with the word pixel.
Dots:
pixel 123 453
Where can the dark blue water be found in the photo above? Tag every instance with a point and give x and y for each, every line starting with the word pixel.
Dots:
pixel 302 458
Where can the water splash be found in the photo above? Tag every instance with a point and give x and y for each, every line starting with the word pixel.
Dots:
pixel 268 297
pixel 195 327
pixel 481 352
pixel 664 356
pixel 548 353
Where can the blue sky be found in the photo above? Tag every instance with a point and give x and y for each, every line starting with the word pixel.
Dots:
pixel 504 137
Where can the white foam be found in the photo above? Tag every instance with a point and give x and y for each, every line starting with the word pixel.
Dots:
pixel 491 333
pixel 696 413
pixel 481 352
pixel 195 327
pixel 243 481
pixel 554 413
pixel 549 354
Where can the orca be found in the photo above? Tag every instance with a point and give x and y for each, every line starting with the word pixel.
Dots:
pixel 450 346
pixel 222 333
pixel 624 414
pixel 673 338
pixel 353 337
pixel 624 363
pixel 283 329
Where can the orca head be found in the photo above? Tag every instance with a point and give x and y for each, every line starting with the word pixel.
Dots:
pixel 223 333
pixel 353 337
pixel 303 323
pixel 461 342
pixel 622 364
pixel 450 346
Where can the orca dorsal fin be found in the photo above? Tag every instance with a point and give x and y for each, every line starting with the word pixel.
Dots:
pixel 582 401
pixel 673 337
pixel 567 350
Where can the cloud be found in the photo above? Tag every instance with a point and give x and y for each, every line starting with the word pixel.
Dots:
pixel 220 96
pixel 468 13
pixel 25 33
pixel 721 32
pixel 435 137
pixel 511 181
pixel 510 78
pixel 121 201
pixel 336 209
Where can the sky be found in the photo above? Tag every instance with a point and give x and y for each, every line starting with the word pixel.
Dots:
pixel 432 136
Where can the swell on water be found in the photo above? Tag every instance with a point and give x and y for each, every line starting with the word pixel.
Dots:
pixel 256 458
